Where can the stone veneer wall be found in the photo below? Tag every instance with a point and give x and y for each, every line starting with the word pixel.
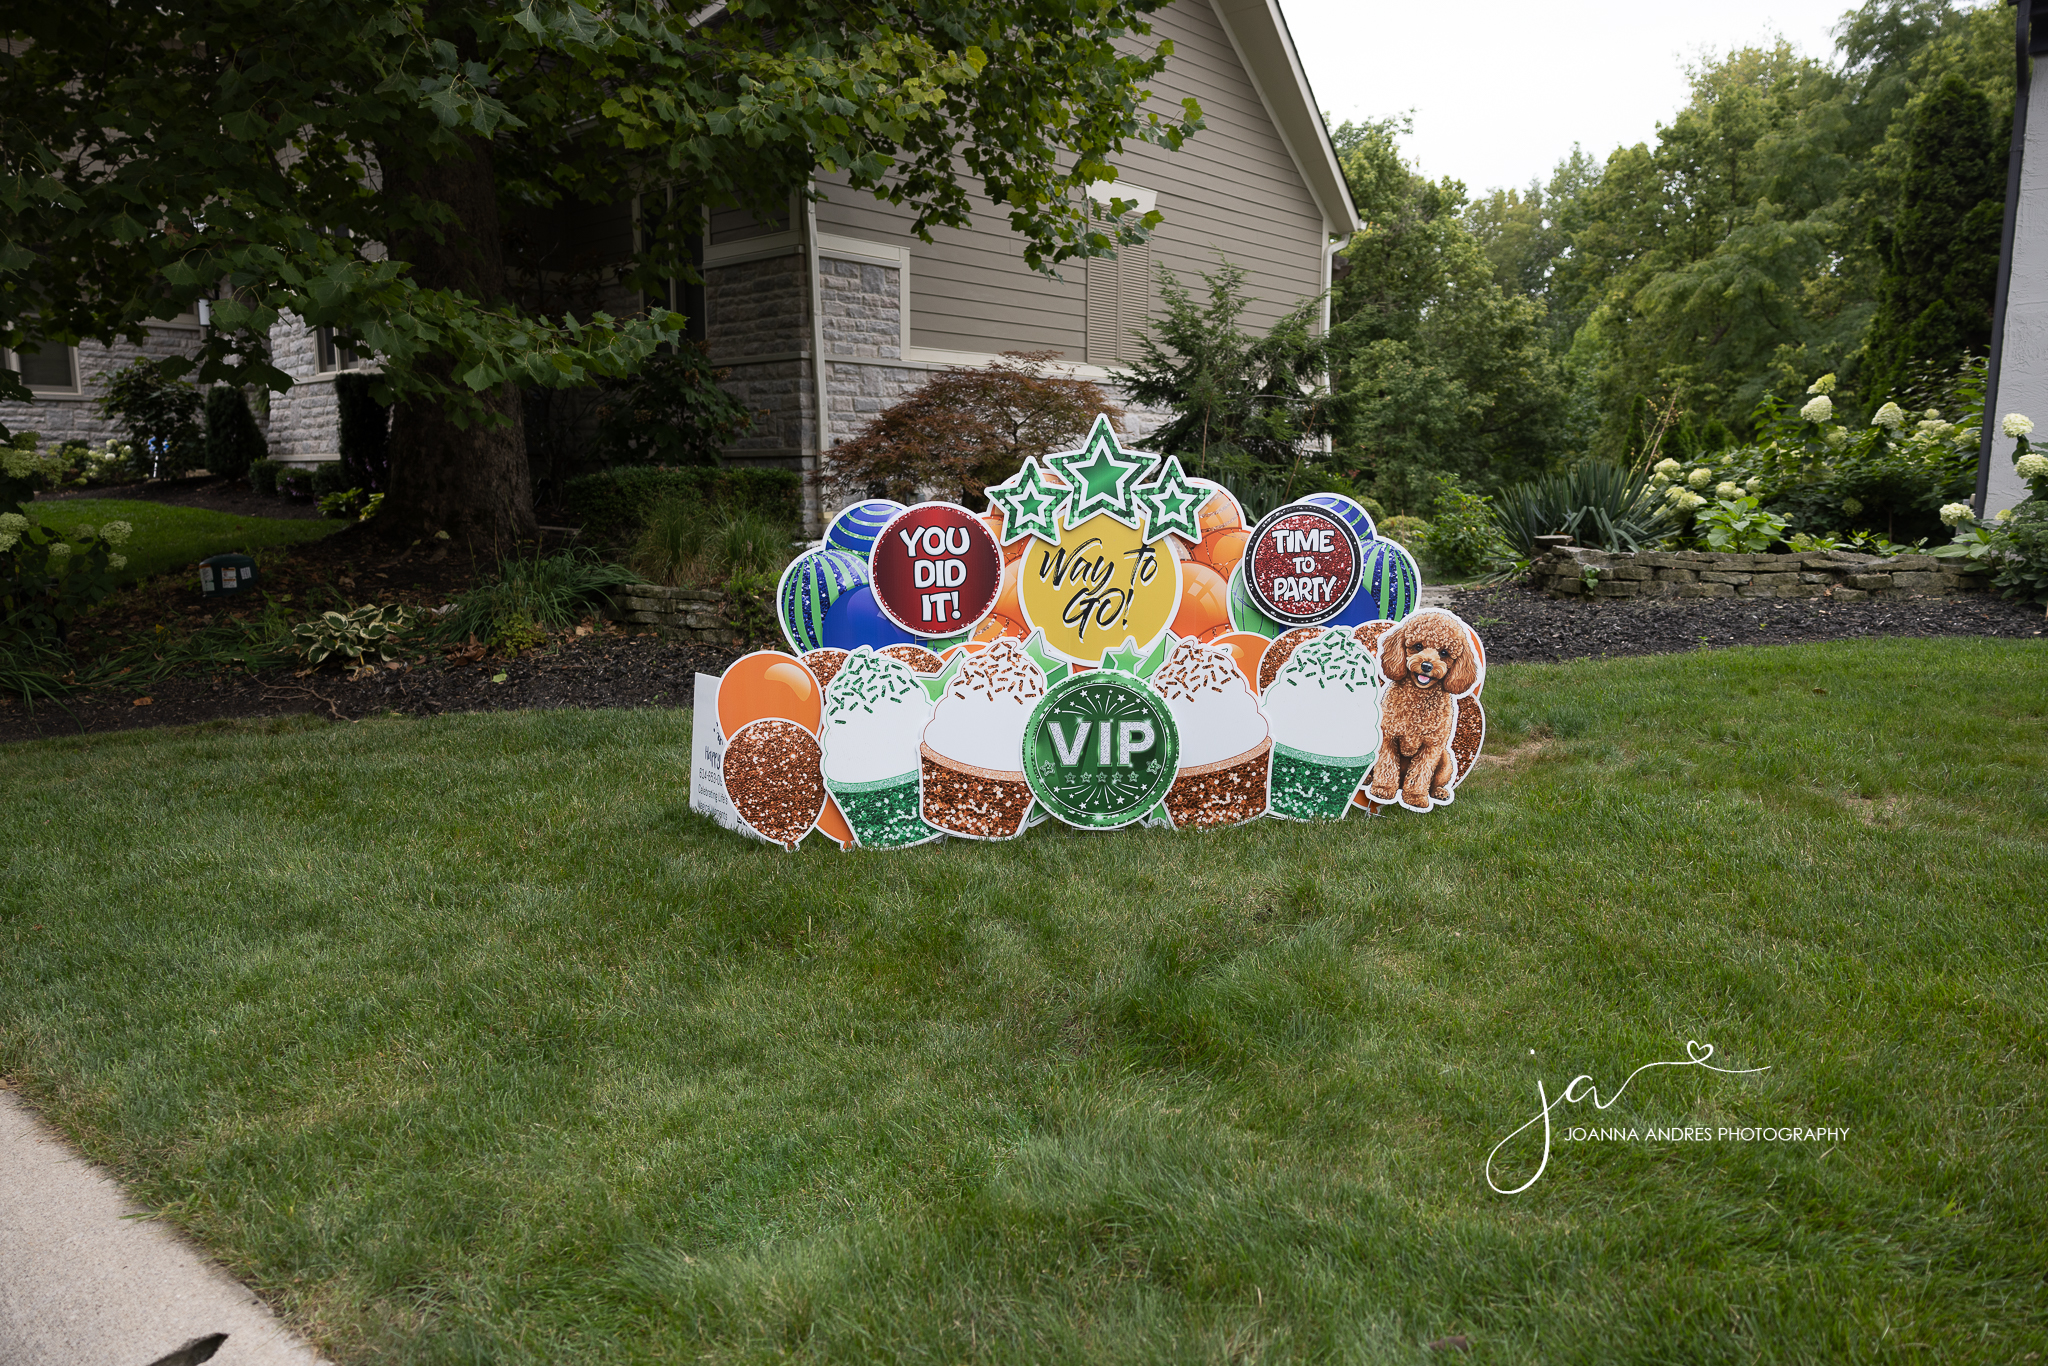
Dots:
pixel 74 417
pixel 1570 571
pixel 757 324
pixel 303 425
pixel 861 307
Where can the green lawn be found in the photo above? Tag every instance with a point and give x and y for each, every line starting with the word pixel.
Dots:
pixel 177 537
pixel 465 1041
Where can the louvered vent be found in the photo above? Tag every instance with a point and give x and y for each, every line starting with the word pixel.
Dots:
pixel 1119 302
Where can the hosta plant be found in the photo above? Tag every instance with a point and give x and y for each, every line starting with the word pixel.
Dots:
pixel 351 635
pixel 1738 525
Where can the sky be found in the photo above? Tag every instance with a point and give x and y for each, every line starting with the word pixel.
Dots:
pixel 1501 89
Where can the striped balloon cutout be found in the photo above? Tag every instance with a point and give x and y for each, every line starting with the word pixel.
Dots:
pixel 855 528
pixel 1244 613
pixel 813 582
pixel 1389 586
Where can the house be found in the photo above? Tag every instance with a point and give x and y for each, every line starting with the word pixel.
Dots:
pixel 825 316
pixel 2019 337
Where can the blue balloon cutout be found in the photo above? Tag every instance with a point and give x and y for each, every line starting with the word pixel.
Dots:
pixel 1352 514
pixel 1362 608
pixel 854 620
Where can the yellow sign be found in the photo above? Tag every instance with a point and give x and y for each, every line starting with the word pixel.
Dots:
pixel 1098 587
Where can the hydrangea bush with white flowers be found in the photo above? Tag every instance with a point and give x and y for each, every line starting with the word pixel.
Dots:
pixel 1879 484
pixel 2014 545
pixel 48 577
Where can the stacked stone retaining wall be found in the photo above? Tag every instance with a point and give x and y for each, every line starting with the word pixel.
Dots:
pixel 686 613
pixel 1569 571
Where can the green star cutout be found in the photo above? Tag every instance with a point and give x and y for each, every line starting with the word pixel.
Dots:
pixel 1128 659
pixel 1029 505
pixel 1055 667
pixel 1100 478
pixel 1172 503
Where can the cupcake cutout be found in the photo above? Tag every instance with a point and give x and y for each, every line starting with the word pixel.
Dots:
pixel 1324 708
pixel 1225 750
pixel 972 753
pixel 875 709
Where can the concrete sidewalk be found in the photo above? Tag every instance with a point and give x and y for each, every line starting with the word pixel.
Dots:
pixel 82 1286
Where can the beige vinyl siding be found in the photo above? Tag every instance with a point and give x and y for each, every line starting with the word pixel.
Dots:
pixel 969 288
pixel 1232 192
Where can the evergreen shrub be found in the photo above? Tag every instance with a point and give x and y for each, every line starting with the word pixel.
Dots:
pixel 365 433
pixel 234 443
pixel 330 477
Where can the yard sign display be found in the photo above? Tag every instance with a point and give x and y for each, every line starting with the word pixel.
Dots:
pixel 1109 644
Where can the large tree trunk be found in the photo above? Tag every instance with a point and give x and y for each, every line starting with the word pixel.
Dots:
pixel 472 481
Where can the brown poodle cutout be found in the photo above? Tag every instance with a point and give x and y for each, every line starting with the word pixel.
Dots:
pixel 1429 661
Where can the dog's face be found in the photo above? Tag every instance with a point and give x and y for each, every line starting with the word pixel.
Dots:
pixel 1429 652
pixel 1429 662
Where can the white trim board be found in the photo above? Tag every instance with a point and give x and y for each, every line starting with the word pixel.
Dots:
pixel 1274 68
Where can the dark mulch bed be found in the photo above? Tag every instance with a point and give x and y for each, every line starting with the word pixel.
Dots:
pixel 607 669
pixel 1520 624
pixel 611 669
pixel 355 565
pixel 199 491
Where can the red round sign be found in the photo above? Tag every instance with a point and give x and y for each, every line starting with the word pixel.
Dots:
pixel 936 569
pixel 1302 564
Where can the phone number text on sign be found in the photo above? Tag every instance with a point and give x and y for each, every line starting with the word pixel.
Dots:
pixel 1302 565
pixel 936 569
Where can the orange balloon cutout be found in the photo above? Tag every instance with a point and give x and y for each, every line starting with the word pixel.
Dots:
pixel 1249 650
pixel 832 824
pixel 1220 513
pixel 1007 606
pixel 994 518
pixel 1222 550
pixel 1204 600
pixel 769 683
pixel 994 628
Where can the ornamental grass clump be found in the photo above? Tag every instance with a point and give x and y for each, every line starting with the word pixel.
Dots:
pixel 1596 503
pixel 529 597
pixel 686 542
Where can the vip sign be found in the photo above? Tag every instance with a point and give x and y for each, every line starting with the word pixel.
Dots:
pixel 936 570
pixel 1100 750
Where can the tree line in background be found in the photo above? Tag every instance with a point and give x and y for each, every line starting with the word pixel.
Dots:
pixel 1797 217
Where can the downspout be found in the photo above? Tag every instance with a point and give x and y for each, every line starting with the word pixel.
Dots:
pixel 1330 250
pixel 817 359
pixel 2024 11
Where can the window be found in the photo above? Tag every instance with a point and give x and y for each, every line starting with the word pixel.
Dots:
pixel 330 355
pixel 54 369
pixel 1119 302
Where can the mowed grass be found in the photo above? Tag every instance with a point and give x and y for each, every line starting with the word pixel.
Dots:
pixel 168 537
pixel 465 1041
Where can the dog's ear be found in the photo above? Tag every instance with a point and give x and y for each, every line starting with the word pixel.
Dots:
pixel 1464 674
pixel 1393 649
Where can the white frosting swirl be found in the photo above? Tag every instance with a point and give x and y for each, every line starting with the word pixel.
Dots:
pixel 875 708
pixel 1326 698
pixel 980 721
pixel 1212 705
